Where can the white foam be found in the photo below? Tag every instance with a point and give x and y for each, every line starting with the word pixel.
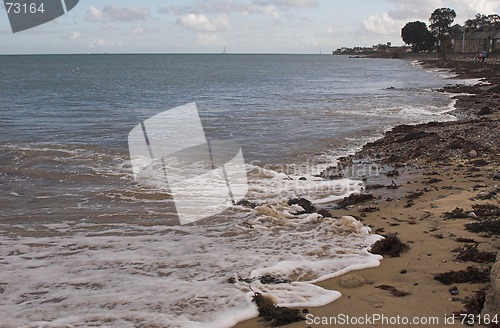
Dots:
pixel 123 275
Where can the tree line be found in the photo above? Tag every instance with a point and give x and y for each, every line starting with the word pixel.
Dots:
pixel 422 38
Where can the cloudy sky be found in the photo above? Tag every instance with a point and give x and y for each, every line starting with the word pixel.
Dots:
pixel 241 26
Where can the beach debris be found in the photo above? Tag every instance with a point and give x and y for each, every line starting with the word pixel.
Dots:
pixel 266 279
pixel 393 173
pixel 414 195
pixel 472 154
pixel 352 281
pixel 486 210
pixel 369 209
pixel 491 227
pixel 486 195
pixel 473 305
pixel 324 213
pixel 246 203
pixel 374 186
pixel 393 290
pixel 354 199
pixel 391 245
pixel 304 203
pixel 472 274
pixel 276 315
pixel 470 253
pixel 433 180
pixel 479 162
pixel 464 240
pixel 454 290
pixel 393 185
pixel 272 280
pixel 457 213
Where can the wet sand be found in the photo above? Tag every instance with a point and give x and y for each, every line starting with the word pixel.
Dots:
pixel 440 167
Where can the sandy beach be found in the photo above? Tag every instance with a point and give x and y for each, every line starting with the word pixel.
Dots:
pixel 447 175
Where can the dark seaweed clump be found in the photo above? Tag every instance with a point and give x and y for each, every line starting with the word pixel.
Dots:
pixel 470 253
pixel 394 291
pixel 472 275
pixel 487 226
pixel 276 315
pixel 304 203
pixel 354 199
pixel 391 245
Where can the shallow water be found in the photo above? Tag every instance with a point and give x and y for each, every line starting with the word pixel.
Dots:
pixel 83 243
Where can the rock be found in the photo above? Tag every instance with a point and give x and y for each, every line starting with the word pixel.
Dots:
pixel 304 203
pixel 492 303
pixel 454 290
pixel 352 280
pixel 472 154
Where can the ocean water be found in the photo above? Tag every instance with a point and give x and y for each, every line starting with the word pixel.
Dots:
pixel 84 244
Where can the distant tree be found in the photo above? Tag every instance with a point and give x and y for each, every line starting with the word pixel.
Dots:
pixel 483 23
pixel 418 36
pixel 441 20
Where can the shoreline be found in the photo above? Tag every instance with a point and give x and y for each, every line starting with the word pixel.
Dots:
pixel 438 167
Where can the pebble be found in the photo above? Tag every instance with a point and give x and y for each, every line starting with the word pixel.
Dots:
pixel 403 271
pixel 472 154
pixel 454 290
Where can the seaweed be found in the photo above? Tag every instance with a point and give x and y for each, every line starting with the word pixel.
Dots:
pixel 487 226
pixel 471 275
pixel 354 199
pixel 271 280
pixel 304 203
pixel 394 291
pixel 470 253
pixel 276 315
pixel 457 213
pixel 486 210
pixel 474 305
pixel 390 245
pixel 246 203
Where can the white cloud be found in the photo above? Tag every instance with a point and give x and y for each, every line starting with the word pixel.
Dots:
pixel 201 23
pixel 289 3
pixel 382 24
pixel 390 23
pixel 422 10
pixel 93 14
pixel 117 13
pixel 271 11
pixel 126 14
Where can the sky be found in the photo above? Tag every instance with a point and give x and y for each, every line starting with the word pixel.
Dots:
pixel 239 26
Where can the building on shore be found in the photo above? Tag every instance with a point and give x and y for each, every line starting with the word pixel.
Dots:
pixel 475 42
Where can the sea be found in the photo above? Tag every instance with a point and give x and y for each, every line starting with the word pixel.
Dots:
pixel 82 243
